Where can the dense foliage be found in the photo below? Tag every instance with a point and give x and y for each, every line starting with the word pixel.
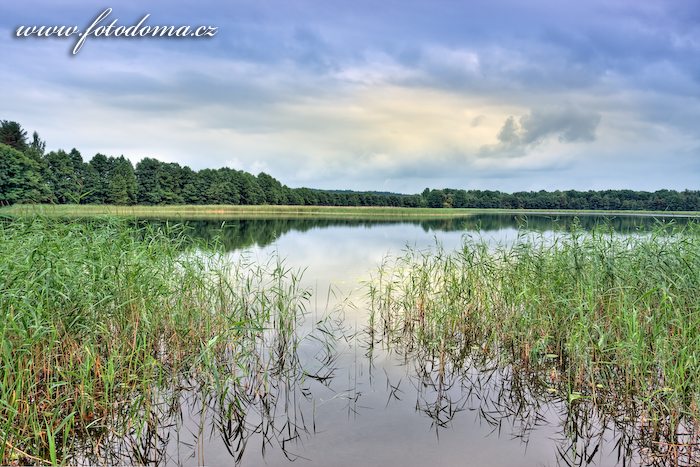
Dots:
pixel 30 175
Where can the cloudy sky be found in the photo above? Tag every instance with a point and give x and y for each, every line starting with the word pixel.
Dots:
pixel 375 94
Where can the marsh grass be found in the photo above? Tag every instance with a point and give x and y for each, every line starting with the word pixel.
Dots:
pixel 593 319
pixel 106 322
pixel 271 212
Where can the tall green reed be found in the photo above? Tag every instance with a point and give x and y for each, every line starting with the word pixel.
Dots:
pixel 102 319
pixel 594 315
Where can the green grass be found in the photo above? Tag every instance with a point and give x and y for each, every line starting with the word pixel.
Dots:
pixel 103 321
pixel 598 317
pixel 266 211
pixel 107 321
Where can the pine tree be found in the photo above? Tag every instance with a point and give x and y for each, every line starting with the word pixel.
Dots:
pixel 20 181
pixel 12 134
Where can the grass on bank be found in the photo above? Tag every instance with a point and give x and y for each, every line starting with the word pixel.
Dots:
pixel 594 316
pixel 192 212
pixel 104 320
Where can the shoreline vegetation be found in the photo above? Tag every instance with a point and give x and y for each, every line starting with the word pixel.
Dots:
pixel 223 212
pixel 594 319
pixel 30 174
pixel 107 325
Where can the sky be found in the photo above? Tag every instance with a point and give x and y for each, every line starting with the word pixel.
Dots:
pixel 375 95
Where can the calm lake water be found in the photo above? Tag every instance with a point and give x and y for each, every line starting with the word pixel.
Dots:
pixel 380 404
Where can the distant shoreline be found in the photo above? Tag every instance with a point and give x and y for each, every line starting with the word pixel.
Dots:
pixel 276 211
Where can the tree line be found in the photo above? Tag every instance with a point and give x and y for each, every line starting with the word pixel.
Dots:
pixel 29 174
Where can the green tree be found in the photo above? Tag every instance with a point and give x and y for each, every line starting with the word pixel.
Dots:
pixel 272 189
pixel 64 176
pixel 92 186
pixel 436 199
pixel 98 177
pixel 248 188
pixel 12 134
pixel 122 186
pixel 170 182
pixel 221 186
pixel 38 145
pixel 149 191
pixel 459 199
pixel 20 181
pixel 191 190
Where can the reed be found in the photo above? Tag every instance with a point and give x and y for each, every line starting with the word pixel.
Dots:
pixel 228 211
pixel 102 320
pixel 597 316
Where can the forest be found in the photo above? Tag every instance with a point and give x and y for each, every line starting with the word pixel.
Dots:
pixel 30 174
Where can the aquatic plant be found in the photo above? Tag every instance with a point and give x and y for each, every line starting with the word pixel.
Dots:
pixel 107 325
pixel 594 318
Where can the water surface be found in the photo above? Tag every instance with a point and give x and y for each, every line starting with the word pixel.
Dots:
pixel 382 404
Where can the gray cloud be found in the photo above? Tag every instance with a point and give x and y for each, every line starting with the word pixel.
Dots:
pixel 478 120
pixel 571 125
pixel 567 124
pixel 510 132
pixel 298 87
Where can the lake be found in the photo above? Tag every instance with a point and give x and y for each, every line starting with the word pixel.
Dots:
pixel 366 399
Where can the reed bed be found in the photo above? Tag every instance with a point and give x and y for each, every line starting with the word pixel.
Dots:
pixel 592 318
pixel 103 320
pixel 229 211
